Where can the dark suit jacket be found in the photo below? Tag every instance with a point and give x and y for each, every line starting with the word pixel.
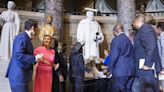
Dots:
pixel 22 61
pixel 121 54
pixel 63 64
pixel 145 47
pixel 77 67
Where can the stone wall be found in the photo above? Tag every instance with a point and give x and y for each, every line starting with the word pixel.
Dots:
pixel 70 26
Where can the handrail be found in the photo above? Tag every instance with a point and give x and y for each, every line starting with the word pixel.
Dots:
pixel 76 12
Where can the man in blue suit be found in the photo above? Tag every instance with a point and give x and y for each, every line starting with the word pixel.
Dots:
pixel 21 64
pixel 121 65
pixel 146 51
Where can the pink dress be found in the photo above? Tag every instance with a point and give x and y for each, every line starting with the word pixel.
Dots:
pixel 43 77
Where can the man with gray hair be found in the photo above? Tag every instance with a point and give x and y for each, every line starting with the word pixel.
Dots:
pixel 147 61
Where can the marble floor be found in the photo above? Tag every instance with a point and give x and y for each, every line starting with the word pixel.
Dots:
pixel 4 83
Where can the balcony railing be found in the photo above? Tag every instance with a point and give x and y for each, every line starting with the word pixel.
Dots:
pixel 155 13
pixel 24 8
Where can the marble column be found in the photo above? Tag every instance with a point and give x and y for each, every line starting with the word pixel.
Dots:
pixel 55 8
pixel 126 13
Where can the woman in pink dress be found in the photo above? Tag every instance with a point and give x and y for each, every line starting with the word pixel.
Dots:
pixel 43 76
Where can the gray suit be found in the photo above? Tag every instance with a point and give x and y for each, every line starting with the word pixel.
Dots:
pixel 161 48
pixel 161 51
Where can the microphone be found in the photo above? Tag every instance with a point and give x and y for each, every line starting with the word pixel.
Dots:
pixel 97 34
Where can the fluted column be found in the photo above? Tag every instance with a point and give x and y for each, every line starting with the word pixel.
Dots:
pixel 126 13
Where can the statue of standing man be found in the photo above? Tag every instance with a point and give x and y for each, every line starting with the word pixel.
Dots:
pixel 90 35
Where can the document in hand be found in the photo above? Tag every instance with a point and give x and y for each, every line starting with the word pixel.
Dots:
pixel 161 77
pixel 142 62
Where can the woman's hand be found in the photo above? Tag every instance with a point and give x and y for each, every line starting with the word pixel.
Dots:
pixel 162 72
pixel 39 57
pixel 61 78
pixel 46 62
pixel 56 66
pixel 101 60
pixel 146 68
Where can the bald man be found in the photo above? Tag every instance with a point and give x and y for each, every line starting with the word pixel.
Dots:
pixel 146 52
pixel 121 65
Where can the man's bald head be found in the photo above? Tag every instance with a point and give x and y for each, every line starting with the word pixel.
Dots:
pixel 117 29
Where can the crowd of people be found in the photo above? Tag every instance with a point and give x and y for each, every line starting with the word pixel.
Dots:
pixel 129 60
pixel 136 64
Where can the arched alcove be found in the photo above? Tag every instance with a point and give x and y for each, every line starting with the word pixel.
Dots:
pixel 76 5
pixel 69 5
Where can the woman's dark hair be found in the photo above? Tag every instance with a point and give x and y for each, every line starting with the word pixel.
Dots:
pixel 30 23
pixel 160 25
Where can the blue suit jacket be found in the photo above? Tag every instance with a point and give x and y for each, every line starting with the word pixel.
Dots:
pixel 77 67
pixel 121 56
pixel 145 47
pixel 22 60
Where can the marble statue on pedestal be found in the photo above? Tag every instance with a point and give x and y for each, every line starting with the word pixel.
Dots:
pixel 89 34
pixel 10 30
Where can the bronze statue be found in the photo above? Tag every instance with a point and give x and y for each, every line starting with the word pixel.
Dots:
pixel 48 29
pixel 148 18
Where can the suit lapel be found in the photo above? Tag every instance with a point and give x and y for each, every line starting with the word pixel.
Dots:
pixel 29 43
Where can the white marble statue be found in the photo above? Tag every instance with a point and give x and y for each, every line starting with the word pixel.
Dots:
pixel 10 29
pixel 154 6
pixel 89 33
